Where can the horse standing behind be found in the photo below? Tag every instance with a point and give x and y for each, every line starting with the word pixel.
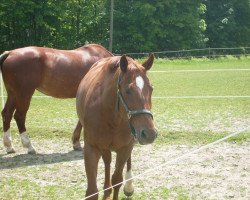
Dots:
pixel 114 100
pixel 56 73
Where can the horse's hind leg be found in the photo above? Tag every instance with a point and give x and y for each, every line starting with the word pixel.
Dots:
pixel 76 137
pixel 7 114
pixel 128 187
pixel 22 106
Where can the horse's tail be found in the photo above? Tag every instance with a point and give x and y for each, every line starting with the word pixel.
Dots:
pixel 3 57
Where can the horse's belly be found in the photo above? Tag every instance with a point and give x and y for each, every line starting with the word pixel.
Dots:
pixel 62 74
pixel 62 84
pixel 59 91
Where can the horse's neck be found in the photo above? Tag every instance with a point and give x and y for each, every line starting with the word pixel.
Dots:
pixel 113 109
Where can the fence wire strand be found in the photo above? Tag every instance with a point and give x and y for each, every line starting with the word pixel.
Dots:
pixel 173 160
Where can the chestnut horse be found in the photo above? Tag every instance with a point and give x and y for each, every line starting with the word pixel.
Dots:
pixel 113 104
pixel 56 73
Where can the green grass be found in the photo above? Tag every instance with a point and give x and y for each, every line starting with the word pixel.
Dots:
pixel 197 121
pixel 29 190
pixel 232 83
pixel 228 62
pixel 160 193
pixel 178 120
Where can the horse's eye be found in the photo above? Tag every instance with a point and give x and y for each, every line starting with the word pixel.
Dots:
pixel 128 91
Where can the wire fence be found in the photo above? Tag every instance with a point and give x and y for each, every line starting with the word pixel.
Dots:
pixel 197 53
pixel 145 174
pixel 211 53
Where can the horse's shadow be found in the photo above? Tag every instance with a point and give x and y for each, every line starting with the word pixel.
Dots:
pixel 23 160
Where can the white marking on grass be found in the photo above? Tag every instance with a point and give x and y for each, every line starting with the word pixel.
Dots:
pixel 198 70
pixel 139 82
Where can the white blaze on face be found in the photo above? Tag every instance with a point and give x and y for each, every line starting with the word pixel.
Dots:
pixel 139 82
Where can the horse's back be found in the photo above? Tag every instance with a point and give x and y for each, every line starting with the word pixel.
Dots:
pixel 71 65
pixel 54 72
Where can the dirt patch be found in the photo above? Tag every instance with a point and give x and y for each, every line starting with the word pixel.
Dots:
pixel 220 172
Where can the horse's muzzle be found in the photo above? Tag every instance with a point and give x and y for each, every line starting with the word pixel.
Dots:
pixel 147 136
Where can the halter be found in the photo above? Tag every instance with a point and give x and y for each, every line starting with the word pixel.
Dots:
pixel 130 113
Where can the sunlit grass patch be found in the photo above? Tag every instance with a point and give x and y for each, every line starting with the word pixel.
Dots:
pixel 16 188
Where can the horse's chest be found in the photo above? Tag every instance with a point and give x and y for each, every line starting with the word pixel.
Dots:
pixel 109 139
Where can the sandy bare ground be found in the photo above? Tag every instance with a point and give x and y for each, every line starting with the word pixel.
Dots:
pixel 220 172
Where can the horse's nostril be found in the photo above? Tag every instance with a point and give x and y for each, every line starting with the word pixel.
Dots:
pixel 143 134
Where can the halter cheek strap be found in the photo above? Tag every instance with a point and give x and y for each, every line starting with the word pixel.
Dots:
pixel 130 113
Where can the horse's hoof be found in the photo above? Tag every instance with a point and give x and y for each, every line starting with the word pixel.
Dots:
pixel 128 194
pixel 77 148
pixel 10 150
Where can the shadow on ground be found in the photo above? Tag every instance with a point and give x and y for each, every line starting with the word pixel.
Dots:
pixel 22 160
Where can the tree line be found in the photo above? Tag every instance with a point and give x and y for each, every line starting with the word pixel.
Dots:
pixel 139 25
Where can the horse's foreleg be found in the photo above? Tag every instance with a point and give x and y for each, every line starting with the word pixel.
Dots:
pixel 128 187
pixel 22 106
pixel 7 114
pixel 76 137
pixel 91 157
pixel 106 156
pixel 122 156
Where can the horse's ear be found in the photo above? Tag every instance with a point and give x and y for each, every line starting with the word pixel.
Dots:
pixel 123 63
pixel 149 62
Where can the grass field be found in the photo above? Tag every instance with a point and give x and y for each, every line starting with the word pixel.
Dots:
pixel 194 102
pixel 179 120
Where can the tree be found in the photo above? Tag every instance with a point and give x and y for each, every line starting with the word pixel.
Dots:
pixel 228 23
pixel 158 25
pixel 52 23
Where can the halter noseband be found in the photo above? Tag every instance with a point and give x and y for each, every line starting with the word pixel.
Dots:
pixel 130 113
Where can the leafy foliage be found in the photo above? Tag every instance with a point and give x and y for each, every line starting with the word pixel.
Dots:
pixel 158 25
pixel 53 23
pixel 139 25
pixel 228 23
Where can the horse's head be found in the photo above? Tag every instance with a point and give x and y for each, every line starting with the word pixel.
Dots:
pixel 134 93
